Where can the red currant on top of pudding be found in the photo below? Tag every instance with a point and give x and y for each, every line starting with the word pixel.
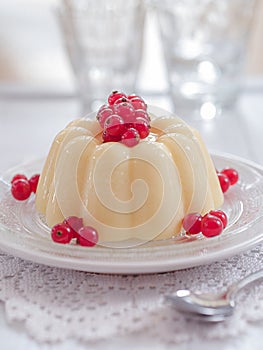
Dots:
pixel 131 137
pixel 124 119
pixel 114 96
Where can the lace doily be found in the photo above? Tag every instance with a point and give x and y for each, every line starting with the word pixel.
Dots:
pixel 91 307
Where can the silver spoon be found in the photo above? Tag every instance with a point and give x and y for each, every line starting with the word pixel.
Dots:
pixel 210 307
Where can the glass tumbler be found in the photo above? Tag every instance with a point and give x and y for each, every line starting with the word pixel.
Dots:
pixel 104 44
pixel 204 44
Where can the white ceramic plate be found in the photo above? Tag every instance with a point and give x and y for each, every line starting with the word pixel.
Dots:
pixel 23 234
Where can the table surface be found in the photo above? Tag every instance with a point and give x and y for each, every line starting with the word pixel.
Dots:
pixel 29 120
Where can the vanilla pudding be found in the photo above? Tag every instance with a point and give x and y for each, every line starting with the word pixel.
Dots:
pixel 141 192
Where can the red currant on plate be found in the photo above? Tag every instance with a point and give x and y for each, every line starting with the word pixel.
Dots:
pixel 192 223
pixel 74 223
pixel 232 175
pixel 87 236
pixel 21 189
pixel 61 233
pixel 211 225
pixel 221 215
pixel 18 177
pixel 34 182
pixel 224 182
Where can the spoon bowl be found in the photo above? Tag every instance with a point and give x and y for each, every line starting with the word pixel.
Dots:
pixel 203 304
pixel 210 307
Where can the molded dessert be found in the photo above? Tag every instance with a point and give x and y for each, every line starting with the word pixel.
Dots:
pixel 139 192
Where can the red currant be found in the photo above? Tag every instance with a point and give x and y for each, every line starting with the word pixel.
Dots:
pixel 142 114
pixel 61 233
pixel 18 177
pixel 131 137
pixel 87 236
pixel 109 138
pixel 125 111
pixel 130 97
pixel 138 103
pixel 21 189
pixel 120 100
pixel 34 182
pixel 115 95
pixel 128 125
pixel 74 223
pixel 142 127
pixel 114 125
pixel 101 109
pixel 103 114
pixel 211 226
pixel 221 215
pixel 192 223
pixel 232 175
pixel 224 182
pixel 124 119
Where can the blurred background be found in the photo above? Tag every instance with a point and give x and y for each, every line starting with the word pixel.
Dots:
pixel 32 53
pixel 166 42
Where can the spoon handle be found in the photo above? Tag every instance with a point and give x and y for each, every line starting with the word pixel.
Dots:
pixel 236 287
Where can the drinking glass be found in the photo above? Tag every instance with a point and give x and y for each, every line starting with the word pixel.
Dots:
pixel 204 44
pixel 104 43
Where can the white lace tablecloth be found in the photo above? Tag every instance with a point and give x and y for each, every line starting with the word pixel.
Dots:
pixel 91 307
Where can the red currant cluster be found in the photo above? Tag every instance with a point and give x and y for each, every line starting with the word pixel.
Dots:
pixel 211 224
pixel 124 119
pixel 73 227
pixel 227 177
pixel 22 187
